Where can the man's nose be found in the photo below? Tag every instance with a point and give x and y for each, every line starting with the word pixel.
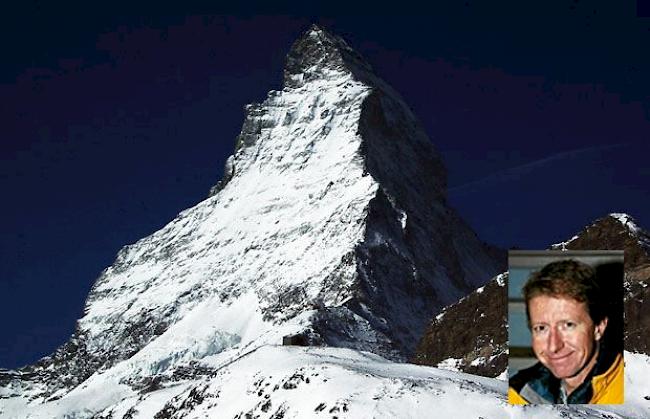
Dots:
pixel 555 342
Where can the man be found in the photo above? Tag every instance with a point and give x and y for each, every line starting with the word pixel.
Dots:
pixel 567 316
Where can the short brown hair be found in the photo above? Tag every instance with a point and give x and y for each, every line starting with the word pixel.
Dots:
pixel 570 279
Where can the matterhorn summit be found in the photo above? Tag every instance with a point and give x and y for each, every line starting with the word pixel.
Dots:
pixel 330 225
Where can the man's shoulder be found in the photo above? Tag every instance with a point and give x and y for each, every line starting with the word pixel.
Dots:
pixel 535 384
pixel 608 386
pixel 524 376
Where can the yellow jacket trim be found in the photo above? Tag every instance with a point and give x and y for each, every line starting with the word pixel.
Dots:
pixel 608 387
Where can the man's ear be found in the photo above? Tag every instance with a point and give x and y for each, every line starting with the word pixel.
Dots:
pixel 599 329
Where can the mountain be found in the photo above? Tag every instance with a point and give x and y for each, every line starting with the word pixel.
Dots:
pixel 468 349
pixel 614 232
pixel 330 224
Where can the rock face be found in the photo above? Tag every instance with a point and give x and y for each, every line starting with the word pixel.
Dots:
pixel 330 222
pixel 637 315
pixel 470 335
pixel 613 232
pixel 465 348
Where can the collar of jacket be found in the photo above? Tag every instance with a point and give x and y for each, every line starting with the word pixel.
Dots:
pixel 538 385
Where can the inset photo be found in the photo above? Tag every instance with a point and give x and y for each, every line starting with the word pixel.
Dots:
pixel 565 325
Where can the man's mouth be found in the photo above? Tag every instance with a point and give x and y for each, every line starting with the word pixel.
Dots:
pixel 559 359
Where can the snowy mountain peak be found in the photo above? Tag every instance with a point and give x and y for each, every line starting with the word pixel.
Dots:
pixel 330 222
pixel 616 231
pixel 317 54
pixel 627 220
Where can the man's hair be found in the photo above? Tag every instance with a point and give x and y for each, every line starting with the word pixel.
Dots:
pixel 568 279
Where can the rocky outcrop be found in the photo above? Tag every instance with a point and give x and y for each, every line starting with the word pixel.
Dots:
pixel 471 335
pixel 637 310
pixel 613 232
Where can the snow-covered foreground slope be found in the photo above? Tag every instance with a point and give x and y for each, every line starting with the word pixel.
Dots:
pixel 310 382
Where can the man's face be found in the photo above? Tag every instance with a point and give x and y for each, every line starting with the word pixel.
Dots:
pixel 564 336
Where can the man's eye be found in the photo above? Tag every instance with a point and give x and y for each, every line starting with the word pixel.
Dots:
pixel 569 325
pixel 540 328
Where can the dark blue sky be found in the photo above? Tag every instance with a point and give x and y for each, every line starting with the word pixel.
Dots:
pixel 113 122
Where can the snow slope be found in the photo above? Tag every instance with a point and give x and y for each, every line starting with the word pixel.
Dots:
pixel 313 382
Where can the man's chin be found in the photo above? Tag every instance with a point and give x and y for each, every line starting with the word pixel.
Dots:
pixel 562 371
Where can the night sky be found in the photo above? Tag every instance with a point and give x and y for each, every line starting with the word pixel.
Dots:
pixel 113 122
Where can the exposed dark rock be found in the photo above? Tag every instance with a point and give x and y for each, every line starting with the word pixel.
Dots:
pixel 183 404
pixel 192 372
pixel 637 311
pixel 317 51
pixel 228 173
pixel 108 415
pixel 71 364
pixel 609 233
pixel 130 414
pixel 295 340
pixel 472 331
